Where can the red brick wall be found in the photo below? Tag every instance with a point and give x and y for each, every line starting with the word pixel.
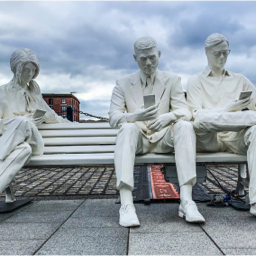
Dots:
pixel 57 105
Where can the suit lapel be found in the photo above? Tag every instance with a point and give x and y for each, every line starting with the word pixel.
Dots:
pixel 159 87
pixel 136 89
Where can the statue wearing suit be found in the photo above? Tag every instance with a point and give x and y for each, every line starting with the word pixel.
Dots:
pixel 161 128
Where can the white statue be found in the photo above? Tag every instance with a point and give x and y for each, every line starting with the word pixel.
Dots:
pixel 19 136
pixel 215 99
pixel 161 128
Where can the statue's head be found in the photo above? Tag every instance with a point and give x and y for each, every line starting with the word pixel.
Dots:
pixel 217 50
pixel 24 65
pixel 146 54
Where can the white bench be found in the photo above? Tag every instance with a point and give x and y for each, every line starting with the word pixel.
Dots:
pixel 92 144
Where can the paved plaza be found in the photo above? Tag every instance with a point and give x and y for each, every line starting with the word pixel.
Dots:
pixel 74 212
pixel 94 182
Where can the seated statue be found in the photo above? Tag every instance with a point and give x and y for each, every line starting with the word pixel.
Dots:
pixel 161 128
pixel 19 136
pixel 223 120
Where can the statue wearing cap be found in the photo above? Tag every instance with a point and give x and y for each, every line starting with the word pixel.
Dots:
pixel 19 100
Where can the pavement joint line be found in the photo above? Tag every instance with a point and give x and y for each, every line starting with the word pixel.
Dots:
pixel 58 228
pixel 109 179
pixel 97 179
pixel 78 169
pixel 128 241
pixel 87 170
pixel 211 239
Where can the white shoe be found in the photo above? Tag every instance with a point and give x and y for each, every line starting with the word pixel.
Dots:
pixel 253 209
pixel 128 216
pixel 188 211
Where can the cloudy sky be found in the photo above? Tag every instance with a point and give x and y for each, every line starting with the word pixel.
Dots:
pixel 85 46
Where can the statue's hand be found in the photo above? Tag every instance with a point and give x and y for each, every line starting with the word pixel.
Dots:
pixel 238 105
pixel 160 122
pixel 141 114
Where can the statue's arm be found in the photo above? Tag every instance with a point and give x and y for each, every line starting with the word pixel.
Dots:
pixel 50 116
pixel 117 114
pixel 248 86
pixel 178 103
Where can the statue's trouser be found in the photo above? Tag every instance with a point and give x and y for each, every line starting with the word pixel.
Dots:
pixel 233 132
pixel 19 140
pixel 179 137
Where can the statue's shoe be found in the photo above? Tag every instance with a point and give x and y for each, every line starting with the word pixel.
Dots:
pixel 188 211
pixel 253 209
pixel 128 216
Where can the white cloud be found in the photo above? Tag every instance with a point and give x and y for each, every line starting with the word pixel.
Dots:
pixel 86 46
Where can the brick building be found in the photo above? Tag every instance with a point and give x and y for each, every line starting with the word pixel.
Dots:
pixel 60 102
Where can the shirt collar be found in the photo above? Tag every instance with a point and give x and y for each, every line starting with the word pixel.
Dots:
pixel 143 77
pixel 208 72
pixel 17 87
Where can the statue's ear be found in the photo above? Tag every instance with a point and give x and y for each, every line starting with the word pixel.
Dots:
pixel 159 54
pixel 134 56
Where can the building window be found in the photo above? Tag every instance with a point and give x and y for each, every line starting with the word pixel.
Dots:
pixel 64 116
pixel 63 108
pixel 63 101
pixel 50 101
pixel 51 107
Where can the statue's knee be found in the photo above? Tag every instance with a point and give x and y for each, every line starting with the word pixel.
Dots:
pixel 250 135
pixel 27 150
pixel 185 125
pixel 130 127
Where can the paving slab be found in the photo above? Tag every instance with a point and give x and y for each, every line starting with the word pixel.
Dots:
pixel 239 251
pixel 217 212
pixel 54 205
pixel 39 217
pixel 92 241
pixel 99 208
pixel 26 231
pixel 232 232
pixel 20 247
pixel 186 243
pixel 161 218
pixel 92 222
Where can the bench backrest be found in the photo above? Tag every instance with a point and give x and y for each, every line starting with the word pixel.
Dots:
pixel 96 137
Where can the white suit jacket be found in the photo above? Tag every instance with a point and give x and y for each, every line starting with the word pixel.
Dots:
pixel 127 96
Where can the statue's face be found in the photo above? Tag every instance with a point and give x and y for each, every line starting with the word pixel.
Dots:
pixel 28 72
pixel 147 60
pixel 217 55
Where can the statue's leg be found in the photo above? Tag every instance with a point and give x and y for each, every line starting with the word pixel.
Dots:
pixel 128 142
pixel 13 163
pixel 20 129
pixel 250 141
pixel 182 138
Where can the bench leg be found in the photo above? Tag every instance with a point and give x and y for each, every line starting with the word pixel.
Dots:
pixel 9 195
pixel 241 175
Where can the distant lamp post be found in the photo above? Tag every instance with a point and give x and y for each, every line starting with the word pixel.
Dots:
pixel 70 113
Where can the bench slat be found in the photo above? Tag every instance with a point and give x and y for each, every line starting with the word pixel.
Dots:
pixel 79 141
pixel 108 159
pixel 79 133
pixel 79 149
pixel 61 126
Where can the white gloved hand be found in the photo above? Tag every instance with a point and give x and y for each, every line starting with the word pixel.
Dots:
pixel 141 114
